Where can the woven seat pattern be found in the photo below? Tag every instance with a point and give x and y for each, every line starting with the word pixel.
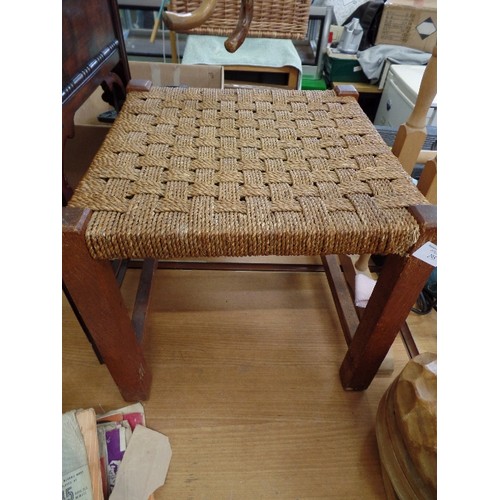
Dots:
pixel 278 19
pixel 242 172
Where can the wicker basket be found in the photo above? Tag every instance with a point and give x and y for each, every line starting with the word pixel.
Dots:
pixel 271 19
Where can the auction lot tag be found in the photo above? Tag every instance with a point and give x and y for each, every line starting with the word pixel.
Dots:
pixel 428 253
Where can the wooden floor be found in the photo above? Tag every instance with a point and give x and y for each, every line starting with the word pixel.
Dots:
pixel 245 385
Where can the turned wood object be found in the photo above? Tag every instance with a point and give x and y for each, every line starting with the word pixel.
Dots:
pixel 411 135
pixel 183 22
pixel 416 414
pixel 237 37
pixel 406 431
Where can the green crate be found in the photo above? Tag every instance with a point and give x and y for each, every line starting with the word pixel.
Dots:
pixel 309 82
pixel 344 68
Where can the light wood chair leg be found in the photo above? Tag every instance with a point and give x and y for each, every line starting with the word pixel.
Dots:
pixel 398 286
pixel 95 294
pixel 427 184
pixel 173 47
pixel 362 262
pixel 411 135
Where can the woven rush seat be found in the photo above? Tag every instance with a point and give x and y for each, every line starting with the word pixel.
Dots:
pixel 245 172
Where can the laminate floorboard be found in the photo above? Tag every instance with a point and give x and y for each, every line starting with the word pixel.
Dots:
pixel 246 386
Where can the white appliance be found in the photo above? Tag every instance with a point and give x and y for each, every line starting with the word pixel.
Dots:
pixel 399 96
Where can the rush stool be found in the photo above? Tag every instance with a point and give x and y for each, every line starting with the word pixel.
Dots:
pixel 237 172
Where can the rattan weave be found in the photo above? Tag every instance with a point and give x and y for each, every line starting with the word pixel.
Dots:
pixel 208 172
pixel 277 19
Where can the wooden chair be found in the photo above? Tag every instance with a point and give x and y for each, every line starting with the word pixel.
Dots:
pixel 410 138
pixel 234 20
pixel 411 135
pixel 408 147
pixel 296 173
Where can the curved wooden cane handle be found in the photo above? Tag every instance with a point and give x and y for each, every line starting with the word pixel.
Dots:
pixel 237 37
pixel 184 22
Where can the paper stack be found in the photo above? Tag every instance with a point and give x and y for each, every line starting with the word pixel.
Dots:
pixel 112 456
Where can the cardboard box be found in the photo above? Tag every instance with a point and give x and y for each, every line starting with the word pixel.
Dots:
pixel 190 75
pixel 409 23
pixel 341 67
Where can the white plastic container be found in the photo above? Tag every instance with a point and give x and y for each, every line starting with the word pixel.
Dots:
pixel 351 37
pixel 400 94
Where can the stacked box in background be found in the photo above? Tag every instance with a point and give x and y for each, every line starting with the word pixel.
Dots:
pixel 185 75
pixel 341 67
pixel 409 23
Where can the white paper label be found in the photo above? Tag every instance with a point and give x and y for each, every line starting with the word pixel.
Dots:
pixel 77 485
pixel 428 253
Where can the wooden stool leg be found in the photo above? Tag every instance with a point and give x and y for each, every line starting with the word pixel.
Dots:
pixel 95 293
pixel 401 280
